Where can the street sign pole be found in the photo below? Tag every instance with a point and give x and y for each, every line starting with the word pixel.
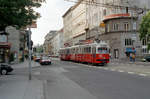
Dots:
pixel 29 46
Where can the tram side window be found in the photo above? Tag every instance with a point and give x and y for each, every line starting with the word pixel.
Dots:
pixel 89 49
pixel 64 51
pixel 82 50
pixel 77 50
pixel 70 51
pixel 102 50
pixel 93 50
pixel 67 51
pixel 74 51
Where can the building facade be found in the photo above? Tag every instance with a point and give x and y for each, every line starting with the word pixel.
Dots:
pixel 47 46
pixel 74 24
pixel 115 21
pixel 122 38
pixel 53 42
pixel 17 39
pixel 4 47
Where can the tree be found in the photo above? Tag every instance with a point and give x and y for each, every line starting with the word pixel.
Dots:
pixel 18 13
pixel 39 48
pixel 145 29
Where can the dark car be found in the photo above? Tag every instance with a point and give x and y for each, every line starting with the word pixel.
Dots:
pixel 5 68
pixel 146 59
pixel 45 61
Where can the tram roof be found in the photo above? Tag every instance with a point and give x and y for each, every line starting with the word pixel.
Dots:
pixel 92 44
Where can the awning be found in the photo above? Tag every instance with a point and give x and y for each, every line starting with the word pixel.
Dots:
pixel 131 50
pixel 5 45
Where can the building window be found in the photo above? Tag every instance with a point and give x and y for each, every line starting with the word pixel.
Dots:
pixel 128 42
pixel 115 27
pixel 144 50
pixel 134 25
pixel 126 26
pixel 144 42
pixel 95 19
pixel 104 12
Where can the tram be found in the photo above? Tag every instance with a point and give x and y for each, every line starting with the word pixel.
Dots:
pixel 94 53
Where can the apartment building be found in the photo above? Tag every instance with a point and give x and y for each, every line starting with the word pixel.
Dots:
pixel 17 41
pixel 53 42
pixel 114 16
pixel 74 24
pixel 47 46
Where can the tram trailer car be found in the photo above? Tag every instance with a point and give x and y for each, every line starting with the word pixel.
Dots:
pixel 95 53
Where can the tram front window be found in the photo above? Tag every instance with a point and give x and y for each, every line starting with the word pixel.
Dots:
pixel 102 50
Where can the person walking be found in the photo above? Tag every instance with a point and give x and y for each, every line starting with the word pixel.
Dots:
pixel 130 57
pixel 133 57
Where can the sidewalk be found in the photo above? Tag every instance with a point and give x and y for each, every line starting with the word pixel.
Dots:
pixel 19 87
pixel 25 64
pixel 137 62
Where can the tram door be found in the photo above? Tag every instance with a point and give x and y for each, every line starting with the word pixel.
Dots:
pixel 93 53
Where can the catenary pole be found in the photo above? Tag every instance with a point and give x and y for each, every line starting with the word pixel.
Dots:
pixel 30 67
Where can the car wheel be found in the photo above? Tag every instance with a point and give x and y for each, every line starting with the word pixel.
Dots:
pixel 4 72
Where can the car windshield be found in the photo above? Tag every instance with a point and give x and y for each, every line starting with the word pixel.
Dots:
pixel 37 56
pixel 45 58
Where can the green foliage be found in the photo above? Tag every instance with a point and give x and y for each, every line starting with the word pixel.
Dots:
pixel 39 48
pixel 145 28
pixel 17 12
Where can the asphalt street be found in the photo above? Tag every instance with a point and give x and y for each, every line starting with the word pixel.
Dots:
pixel 68 80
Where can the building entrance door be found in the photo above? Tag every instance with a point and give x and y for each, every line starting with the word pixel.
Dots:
pixel 116 53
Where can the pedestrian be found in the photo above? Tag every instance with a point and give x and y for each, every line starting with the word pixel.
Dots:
pixel 110 55
pixel 130 57
pixel 133 57
pixel 26 56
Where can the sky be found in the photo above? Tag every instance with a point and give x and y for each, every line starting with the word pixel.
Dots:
pixel 51 18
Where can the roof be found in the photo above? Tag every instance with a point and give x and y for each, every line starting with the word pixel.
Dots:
pixel 72 8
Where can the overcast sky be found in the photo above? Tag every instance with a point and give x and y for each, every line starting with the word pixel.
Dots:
pixel 51 19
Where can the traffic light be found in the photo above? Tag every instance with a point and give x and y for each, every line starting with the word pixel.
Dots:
pixel 34 49
pixel 28 40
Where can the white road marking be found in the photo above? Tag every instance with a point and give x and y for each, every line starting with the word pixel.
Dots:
pixel 121 71
pixel 142 74
pixel 112 70
pixel 131 73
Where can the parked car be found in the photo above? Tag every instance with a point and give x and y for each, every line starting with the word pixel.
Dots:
pixel 45 61
pixel 5 68
pixel 37 58
pixel 146 59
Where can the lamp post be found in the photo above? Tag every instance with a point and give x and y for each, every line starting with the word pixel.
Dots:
pixel 29 47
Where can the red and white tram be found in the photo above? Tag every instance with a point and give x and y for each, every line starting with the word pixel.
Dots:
pixel 95 53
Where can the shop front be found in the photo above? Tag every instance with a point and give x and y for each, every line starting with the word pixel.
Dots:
pixel 130 51
pixel 4 52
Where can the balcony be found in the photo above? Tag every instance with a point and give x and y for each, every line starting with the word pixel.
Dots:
pixel 116 16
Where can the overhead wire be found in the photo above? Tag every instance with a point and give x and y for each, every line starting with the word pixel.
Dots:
pixel 109 5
